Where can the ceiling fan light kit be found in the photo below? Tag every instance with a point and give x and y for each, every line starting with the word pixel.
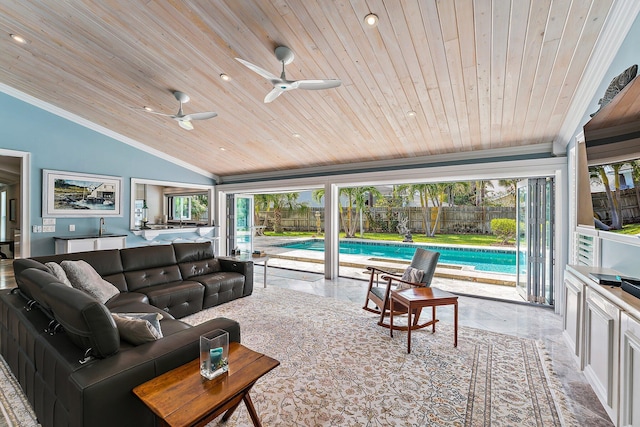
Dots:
pixel 281 84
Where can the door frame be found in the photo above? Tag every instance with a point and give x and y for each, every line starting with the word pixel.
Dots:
pixel 24 245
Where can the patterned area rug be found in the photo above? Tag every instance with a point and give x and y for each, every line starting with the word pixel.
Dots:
pixel 15 410
pixel 338 368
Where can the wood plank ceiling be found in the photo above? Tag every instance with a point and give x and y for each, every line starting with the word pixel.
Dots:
pixel 478 74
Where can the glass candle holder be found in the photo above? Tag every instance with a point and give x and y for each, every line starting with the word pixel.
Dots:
pixel 214 353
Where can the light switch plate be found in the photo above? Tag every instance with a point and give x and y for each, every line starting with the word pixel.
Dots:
pixel 48 228
pixel 48 221
pixel 72 227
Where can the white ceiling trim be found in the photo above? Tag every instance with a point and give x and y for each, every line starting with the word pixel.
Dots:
pixel 523 151
pixel 101 129
pixel 621 17
pixel 480 171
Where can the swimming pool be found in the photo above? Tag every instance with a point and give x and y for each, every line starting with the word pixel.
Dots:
pixel 483 259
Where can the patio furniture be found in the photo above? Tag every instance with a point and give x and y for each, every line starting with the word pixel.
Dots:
pixel 413 300
pixel 378 292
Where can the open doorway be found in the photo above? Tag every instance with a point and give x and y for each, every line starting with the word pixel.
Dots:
pixel 472 224
pixel 14 177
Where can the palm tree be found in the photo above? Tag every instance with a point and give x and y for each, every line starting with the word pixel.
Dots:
pixel 356 202
pixel 599 174
pixel 280 202
pixel 422 190
pixel 480 190
pixel 261 203
pixel 635 175
pixel 437 194
pixel 512 188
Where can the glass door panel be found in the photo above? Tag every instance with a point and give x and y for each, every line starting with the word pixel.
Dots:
pixel 534 256
pixel 521 239
pixel 240 220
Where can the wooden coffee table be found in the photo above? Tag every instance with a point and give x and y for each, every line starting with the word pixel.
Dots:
pixel 181 397
pixel 414 299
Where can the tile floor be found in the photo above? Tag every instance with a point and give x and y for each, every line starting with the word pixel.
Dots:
pixel 521 320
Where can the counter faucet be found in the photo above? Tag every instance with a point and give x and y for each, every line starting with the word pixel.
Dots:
pixel 102 227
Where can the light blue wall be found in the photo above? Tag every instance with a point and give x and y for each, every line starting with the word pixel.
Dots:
pixel 59 144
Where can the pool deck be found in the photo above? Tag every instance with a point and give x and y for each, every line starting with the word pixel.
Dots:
pixel 452 278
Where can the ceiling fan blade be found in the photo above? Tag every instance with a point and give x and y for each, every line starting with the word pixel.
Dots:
pixel 318 84
pixel 264 73
pixel 159 114
pixel 276 92
pixel 185 124
pixel 200 116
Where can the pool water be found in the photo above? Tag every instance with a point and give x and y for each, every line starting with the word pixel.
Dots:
pixel 489 260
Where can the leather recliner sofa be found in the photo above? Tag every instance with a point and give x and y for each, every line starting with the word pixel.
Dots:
pixel 65 350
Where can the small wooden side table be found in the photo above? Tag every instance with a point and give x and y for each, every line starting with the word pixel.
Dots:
pixel 182 398
pixel 417 298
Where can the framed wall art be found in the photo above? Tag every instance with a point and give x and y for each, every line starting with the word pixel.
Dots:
pixel 73 194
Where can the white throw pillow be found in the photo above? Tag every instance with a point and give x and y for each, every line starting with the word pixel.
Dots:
pixel 138 328
pixel 83 276
pixel 412 275
pixel 57 271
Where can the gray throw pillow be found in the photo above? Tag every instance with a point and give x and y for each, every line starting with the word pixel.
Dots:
pixel 138 328
pixel 83 276
pixel 412 275
pixel 57 271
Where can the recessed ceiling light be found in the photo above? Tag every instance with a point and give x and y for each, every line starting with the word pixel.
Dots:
pixel 225 77
pixel 411 113
pixel 223 149
pixel 18 39
pixel 148 108
pixel 371 20
pixel 296 135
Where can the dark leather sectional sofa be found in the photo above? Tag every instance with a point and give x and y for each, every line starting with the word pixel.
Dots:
pixel 64 348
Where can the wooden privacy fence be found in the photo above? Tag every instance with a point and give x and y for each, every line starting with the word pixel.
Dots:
pixel 453 220
pixel 628 203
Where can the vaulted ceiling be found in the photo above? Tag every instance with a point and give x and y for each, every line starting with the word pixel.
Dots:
pixel 434 77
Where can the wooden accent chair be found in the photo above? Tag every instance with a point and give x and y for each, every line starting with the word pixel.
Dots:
pixel 378 292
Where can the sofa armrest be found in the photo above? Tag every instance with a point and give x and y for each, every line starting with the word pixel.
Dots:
pixel 243 267
pixel 106 384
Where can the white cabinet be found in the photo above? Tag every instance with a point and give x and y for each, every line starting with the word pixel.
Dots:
pixel 629 371
pixel 602 329
pixel 601 368
pixel 574 300
pixel 65 245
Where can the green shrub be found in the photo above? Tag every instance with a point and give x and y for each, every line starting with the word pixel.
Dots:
pixel 504 229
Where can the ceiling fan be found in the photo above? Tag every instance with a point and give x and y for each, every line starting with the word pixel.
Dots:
pixel 184 120
pixel 281 84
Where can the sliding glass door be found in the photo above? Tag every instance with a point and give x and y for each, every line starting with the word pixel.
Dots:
pixel 240 223
pixel 534 228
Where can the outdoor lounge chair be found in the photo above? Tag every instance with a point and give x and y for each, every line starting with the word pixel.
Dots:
pixel 378 292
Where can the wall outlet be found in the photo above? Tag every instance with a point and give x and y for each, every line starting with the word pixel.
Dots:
pixel 72 227
pixel 48 228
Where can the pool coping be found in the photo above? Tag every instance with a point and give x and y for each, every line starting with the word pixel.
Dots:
pixel 398 266
pixel 451 271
